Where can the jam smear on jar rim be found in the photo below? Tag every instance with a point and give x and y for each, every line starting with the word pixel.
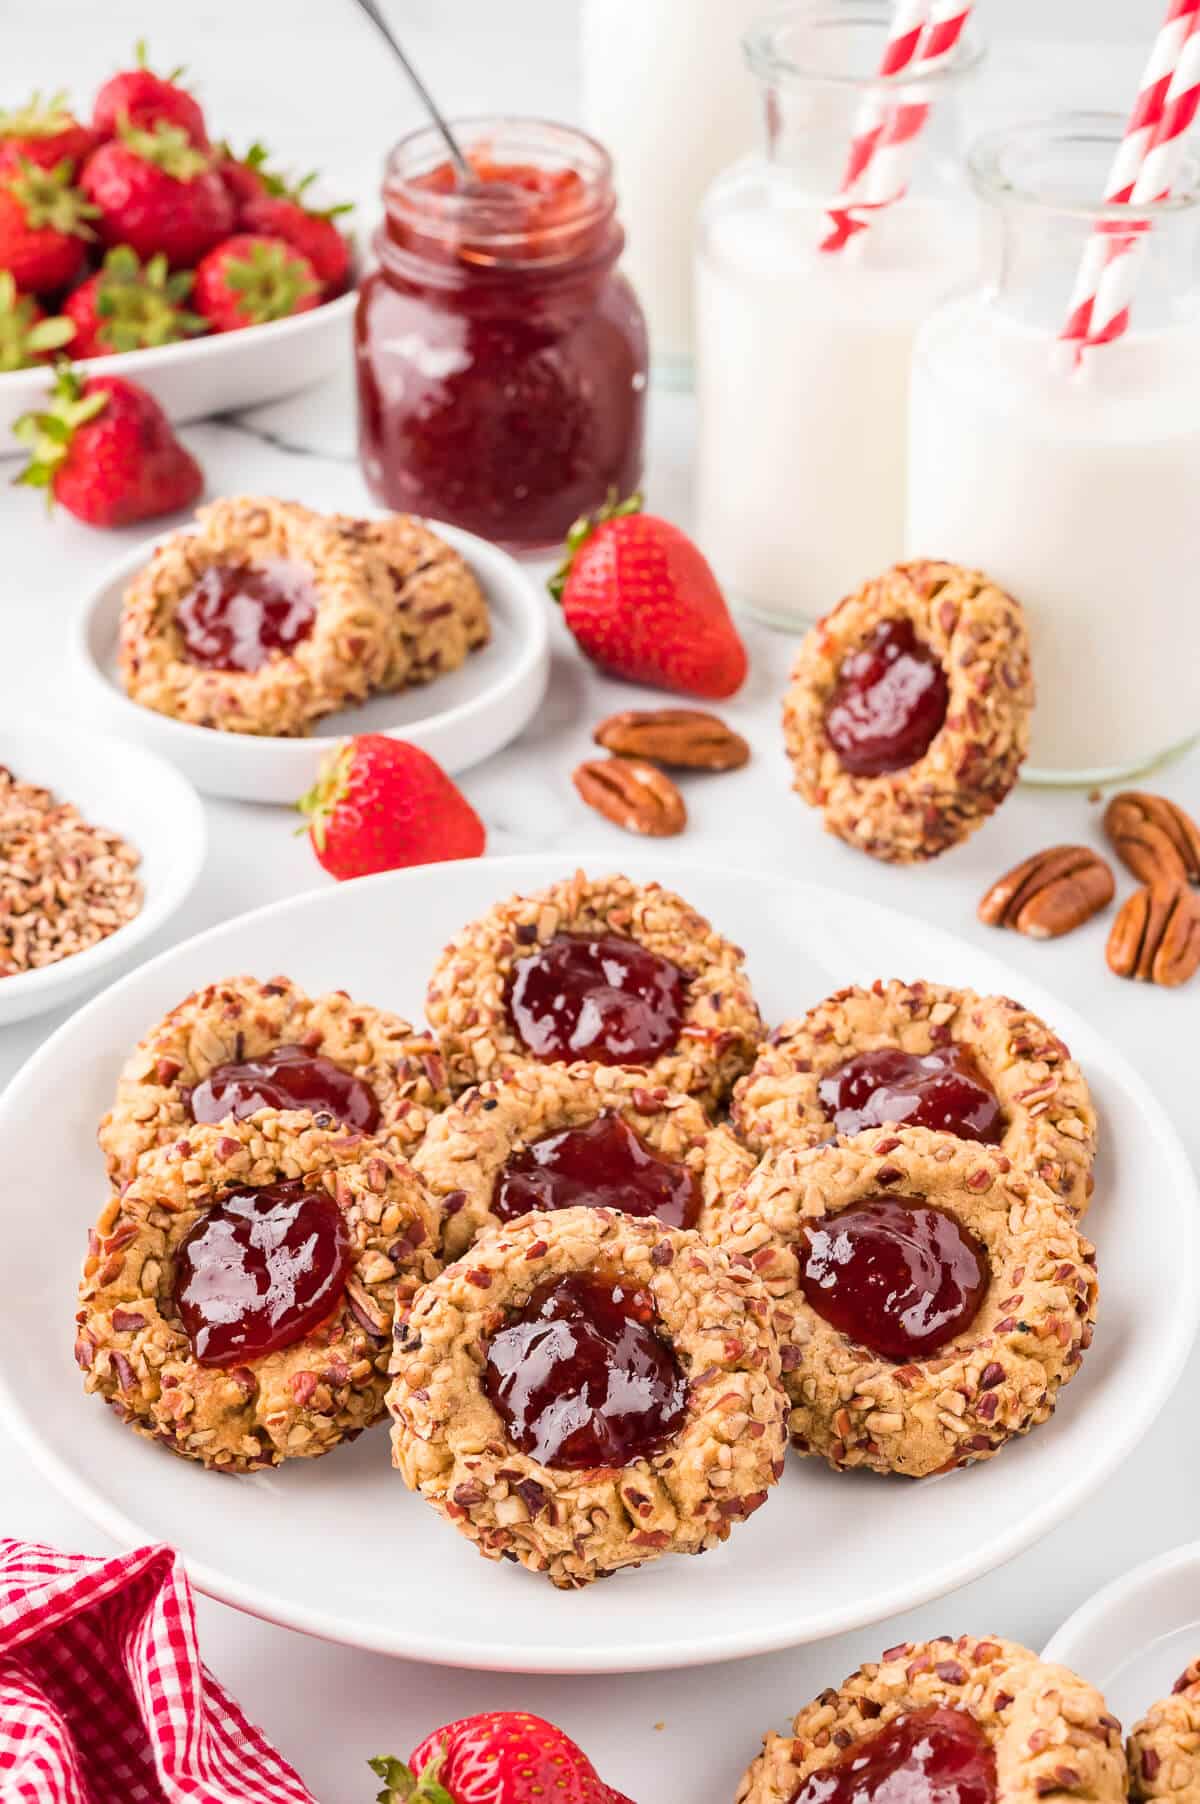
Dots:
pixel 602 1165
pixel 935 1755
pixel 580 1377
pixel 598 997
pixel 235 616
pixel 287 1077
pixel 889 703
pixel 943 1089
pixel 896 1274
pixel 261 1269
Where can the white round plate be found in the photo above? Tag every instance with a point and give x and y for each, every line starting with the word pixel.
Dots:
pixel 459 719
pixel 135 794
pixel 203 376
pixel 339 1548
pixel 1136 1636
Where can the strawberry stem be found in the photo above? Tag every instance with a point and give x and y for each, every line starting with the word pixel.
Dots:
pixel 49 434
pixel 318 803
pixel 402 1786
pixel 583 529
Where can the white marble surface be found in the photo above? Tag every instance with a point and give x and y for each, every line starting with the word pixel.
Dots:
pixel 679 1738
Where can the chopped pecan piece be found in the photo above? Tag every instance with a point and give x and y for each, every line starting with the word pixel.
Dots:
pixel 1156 838
pixel 633 795
pixel 1156 935
pixel 683 738
pixel 1051 893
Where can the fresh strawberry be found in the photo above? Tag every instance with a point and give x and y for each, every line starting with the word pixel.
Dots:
pixel 245 177
pixel 500 1757
pixel 379 804
pixel 43 225
pixel 44 132
pixel 314 235
pixel 145 99
pixel 642 601
pixel 128 305
pixel 26 335
pixel 105 449
pixel 248 280
pixel 157 192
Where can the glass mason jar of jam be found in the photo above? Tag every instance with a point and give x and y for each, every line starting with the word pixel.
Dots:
pixel 501 356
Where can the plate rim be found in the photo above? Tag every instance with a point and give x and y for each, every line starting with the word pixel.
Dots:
pixel 1121 1590
pixel 409 1642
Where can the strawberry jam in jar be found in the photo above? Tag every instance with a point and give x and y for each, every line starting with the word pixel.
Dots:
pixel 501 356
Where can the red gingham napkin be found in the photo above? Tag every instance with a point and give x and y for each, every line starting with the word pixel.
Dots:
pixel 103 1699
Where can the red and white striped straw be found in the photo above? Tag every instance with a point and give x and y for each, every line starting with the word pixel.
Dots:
pixel 1144 169
pixel 924 35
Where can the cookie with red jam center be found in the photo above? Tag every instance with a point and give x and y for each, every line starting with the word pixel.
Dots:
pixel 586 1390
pixel 239 1293
pixel 970 1720
pixel 605 971
pixel 907 719
pixel 1162 1747
pixel 570 1136
pixel 905 1266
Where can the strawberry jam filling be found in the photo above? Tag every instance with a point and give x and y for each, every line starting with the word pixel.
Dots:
pixel 604 1165
pixel 260 1270
pixel 938 1755
pixel 889 703
pixel 943 1090
pixel 287 1078
pixel 236 615
pixel 895 1274
pixel 580 1378
pixel 597 997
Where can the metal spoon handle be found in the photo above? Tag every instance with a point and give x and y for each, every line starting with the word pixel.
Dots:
pixel 435 112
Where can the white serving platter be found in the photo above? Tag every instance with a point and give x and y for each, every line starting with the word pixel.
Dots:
pixel 204 376
pixel 134 793
pixel 459 719
pixel 340 1549
pixel 1134 1638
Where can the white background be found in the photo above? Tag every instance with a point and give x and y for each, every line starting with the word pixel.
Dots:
pixel 307 77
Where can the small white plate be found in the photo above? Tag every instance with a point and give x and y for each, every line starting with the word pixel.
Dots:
pixel 459 719
pixel 135 794
pixel 203 376
pixel 1136 1636
pixel 337 1547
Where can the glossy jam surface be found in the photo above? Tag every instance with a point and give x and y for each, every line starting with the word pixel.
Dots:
pixel 584 996
pixel 943 1090
pixel 895 1274
pixel 889 703
pixel 236 615
pixel 260 1270
pixel 581 1379
pixel 289 1077
pixel 604 1165
pixel 937 1755
pixel 501 356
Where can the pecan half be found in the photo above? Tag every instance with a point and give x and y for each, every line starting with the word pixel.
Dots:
pixel 633 795
pixel 1156 935
pixel 1050 894
pixel 1156 838
pixel 685 738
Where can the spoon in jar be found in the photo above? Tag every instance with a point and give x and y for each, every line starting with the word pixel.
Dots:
pixel 457 156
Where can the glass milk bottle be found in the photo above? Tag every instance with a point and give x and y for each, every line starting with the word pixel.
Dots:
pixel 1074 480
pixel 803 352
pixel 664 91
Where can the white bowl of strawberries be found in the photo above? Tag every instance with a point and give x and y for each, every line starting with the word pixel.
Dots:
pixel 137 244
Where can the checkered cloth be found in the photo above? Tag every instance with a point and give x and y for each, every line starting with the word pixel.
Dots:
pixel 103 1699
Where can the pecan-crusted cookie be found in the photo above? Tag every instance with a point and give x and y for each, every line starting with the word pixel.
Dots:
pixel 243 1018
pixel 301 1398
pixel 576 1523
pixel 719 1025
pixel 339 658
pixel 1164 1748
pixel 1050 1733
pixel 1049 1123
pixel 977 635
pixel 466 1150
pixel 439 612
pixel 1000 1372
